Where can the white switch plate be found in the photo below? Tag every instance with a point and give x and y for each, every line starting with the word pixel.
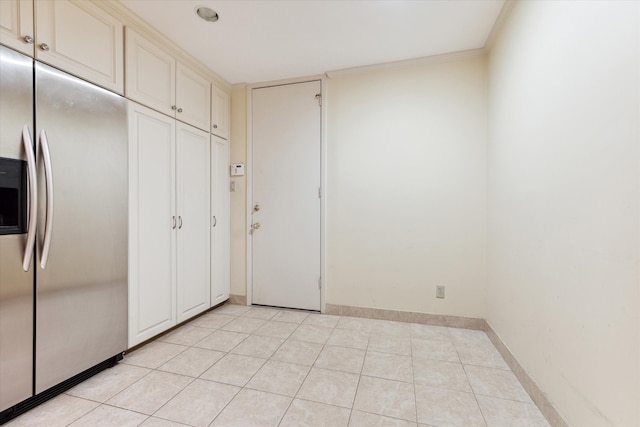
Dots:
pixel 440 291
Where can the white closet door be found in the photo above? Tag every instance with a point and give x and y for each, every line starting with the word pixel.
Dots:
pixel 193 204
pixel 286 182
pixel 220 230
pixel 81 39
pixel 152 275
pixel 193 97
pixel 16 23
pixel 150 74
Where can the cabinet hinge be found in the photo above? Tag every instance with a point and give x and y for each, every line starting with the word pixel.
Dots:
pixel 319 192
pixel 319 98
pixel 320 283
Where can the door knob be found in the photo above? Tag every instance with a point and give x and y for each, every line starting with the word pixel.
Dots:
pixel 256 207
pixel 255 226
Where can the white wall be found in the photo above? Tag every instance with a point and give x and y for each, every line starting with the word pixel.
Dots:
pixel 406 157
pixel 563 207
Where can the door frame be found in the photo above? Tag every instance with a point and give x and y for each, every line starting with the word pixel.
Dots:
pixel 323 178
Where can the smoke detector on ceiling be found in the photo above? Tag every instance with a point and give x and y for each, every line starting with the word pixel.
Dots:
pixel 207 14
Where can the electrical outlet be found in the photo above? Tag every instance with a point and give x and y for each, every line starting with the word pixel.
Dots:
pixel 440 291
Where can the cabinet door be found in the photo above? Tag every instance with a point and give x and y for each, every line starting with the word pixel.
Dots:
pixel 16 25
pixel 150 74
pixel 193 98
pixel 220 231
pixel 82 39
pixel 193 152
pixel 219 112
pixel 152 272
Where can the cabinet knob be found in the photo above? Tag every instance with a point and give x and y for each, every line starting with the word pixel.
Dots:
pixel 173 107
pixel 28 39
pixel 215 126
pixel 179 110
pixel 44 47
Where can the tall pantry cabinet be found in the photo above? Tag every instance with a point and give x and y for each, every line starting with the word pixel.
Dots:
pixel 169 196
pixel 220 211
pixel 179 190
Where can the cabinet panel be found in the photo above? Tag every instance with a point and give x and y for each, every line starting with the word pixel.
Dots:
pixel 152 275
pixel 16 23
pixel 193 153
pixel 151 74
pixel 81 39
pixel 220 211
pixel 220 112
pixel 193 98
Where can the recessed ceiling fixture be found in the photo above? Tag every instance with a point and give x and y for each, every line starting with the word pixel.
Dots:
pixel 207 14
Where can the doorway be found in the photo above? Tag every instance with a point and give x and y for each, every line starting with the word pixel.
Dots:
pixel 285 205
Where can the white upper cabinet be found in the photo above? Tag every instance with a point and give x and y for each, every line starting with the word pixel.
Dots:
pixel 193 98
pixel 154 78
pixel 219 112
pixel 81 39
pixel 16 25
pixel 150 74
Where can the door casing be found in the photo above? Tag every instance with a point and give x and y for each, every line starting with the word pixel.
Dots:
pixel 323 181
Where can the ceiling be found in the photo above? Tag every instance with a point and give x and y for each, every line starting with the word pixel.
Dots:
pixel 265 40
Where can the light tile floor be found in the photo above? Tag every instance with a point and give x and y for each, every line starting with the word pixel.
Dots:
pixel 255 366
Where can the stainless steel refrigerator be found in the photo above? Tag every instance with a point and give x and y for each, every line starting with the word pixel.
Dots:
pixel 63 231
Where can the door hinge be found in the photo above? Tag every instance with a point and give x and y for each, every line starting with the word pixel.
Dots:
pixel 320 283
pixel 319 192
pixel 319 98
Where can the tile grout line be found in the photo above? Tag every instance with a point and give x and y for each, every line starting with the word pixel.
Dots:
pixel 413 373
pixel 242 387
pixel 355 395
pixel 475 398
pixel 305 378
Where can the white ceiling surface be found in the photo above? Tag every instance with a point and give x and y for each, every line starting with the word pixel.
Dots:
pixel 266 40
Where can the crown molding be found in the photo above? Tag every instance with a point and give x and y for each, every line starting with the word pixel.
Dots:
pixel 507 7
pixel 434 59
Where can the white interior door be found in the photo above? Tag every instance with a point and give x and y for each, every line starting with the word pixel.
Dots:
pixel 286 156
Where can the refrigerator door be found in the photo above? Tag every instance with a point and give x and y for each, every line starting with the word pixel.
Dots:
pixel 81 295
pixel 16 285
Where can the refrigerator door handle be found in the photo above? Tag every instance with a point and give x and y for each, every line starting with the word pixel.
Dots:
pixel 48 227
pixel 33 198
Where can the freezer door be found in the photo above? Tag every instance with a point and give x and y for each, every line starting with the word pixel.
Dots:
pixel 16 285
pixel 81 295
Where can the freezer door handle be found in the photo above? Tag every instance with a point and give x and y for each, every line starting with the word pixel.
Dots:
pixel 33 198
pixel 48 224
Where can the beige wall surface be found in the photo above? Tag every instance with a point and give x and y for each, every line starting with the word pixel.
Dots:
pixel 564 203
pixel 406 188
pixel 239 196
